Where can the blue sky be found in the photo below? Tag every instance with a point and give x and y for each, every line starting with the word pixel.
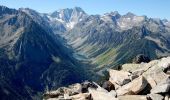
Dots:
pixel 151 8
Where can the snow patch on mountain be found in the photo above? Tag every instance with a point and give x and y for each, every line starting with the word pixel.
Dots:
pixel 68 17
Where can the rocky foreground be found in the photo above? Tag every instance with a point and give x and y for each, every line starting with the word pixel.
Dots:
pixel 144 81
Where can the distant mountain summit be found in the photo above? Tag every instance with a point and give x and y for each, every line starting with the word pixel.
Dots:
pixel 69 17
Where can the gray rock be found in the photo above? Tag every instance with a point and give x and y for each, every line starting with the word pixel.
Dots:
pixel 134 87
pixel 101 95
pixel 119 77
pixel 113 93
pixel 64 92
pixel 162 87
pixel 156 97
pixel 81 96
pixel 133 97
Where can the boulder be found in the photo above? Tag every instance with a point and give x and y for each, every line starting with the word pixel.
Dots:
pixel 155 96
pixel 101 95
pixel 151 81
pixel 162 87
pixel 130 67
pixel 155 74
pixel 66 97
pixel 64 91
pixel 113 93
pixel 133 97
pixel 141 58
pixel 134 87
pixel 81 96
pixel 164 63
pixel 119 77
pixel 75 88
pixel 108 86
pixel 144 67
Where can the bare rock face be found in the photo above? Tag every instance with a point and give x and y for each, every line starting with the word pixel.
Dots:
pixel 81 96
pixel 133 97
pixel 162 87
pixel 64 91
pixel 156 97
pixel 101 95
pixel 119 77
pixel 134 87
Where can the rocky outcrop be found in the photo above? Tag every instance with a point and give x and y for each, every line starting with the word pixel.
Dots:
pixel 133 97
pixel 119 77
pixel 134 87
pixel 156 97
pixel 162 87
pixel 147 81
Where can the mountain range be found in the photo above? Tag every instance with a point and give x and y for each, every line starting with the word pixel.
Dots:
pixel 40 50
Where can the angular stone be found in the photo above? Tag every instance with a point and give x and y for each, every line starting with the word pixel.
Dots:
pixel 76 88
pixel 133 97
pixel 134 87
pixel 113 93
pixel 81 96
pixel 164 63
pixel 101 95
pixel 67 97
pixel 151 81
pixel 64 91
pixel 155 97
pixel 119 77
pixel 130 67
pixel 155 74
pixel 162 87
pixel 144 67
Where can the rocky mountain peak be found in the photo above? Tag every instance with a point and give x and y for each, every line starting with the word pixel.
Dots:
pixel 69 16
pixel 66 14
pixel 113 14
pixel 2 7
pixel 116 14
pixel 6 10
pixel 78 9
pixel 130 15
